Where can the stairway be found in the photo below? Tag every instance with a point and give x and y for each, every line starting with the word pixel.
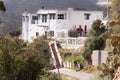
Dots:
pixel 55 55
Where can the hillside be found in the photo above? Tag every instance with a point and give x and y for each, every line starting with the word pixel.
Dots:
pixel 12 17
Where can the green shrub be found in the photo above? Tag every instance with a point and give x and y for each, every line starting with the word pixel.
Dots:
pixel 49 76
pixel 21 62
pixel 92 69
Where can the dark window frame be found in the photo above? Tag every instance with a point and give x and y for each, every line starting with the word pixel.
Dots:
pixel 27 18
pixel 37 34
pixel 44 18
pixel 87 16
pixel 52 16
pixel 23 18
pixel 61 16
pixel 34 18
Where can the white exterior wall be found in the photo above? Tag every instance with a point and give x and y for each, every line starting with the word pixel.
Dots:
pixel 56 25
pixel 50 25
pixel 32 32
pixel 25 26
pixel 62 28
pixel 77 18
pixel 59 26
pixel 29 30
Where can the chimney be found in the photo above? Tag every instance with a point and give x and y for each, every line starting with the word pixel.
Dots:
pixel 42 7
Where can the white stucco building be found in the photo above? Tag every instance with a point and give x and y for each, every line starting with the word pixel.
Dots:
pixel 56 23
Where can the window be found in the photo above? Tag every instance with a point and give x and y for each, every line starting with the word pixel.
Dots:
pixel 33 22
pixel 52 16
pixel 44 18
pixel 60 16
pixel 65 15
pixel 87 16
pixel 27 18
pixel 109 10
pixel 39 16
pixel 34 18
pixel 23 18
pixel 46 33
pixel 37 34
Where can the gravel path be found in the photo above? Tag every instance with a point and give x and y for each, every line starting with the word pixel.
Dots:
pixel 79 75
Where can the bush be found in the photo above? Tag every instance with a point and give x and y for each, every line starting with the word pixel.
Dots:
pixel 49 76
pixel 92 69
pixel 21 62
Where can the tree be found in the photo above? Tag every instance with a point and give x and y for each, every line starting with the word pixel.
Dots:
pixel 15 33
pixel 94 40
pixel 11 57
pixel 41 51
pixel 2 6
pixel 23 61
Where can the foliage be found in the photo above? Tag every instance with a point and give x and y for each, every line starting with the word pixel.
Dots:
pixel 95 29
pixel 9 48
pixel 94 41
pixel 49 76
pixel 65 54
pixel 15 33
pixel 2 6
pixel 71 55
pixel 92 69
pixel 21 62
pixel 40 48
pixel 113 61
pixel 79 59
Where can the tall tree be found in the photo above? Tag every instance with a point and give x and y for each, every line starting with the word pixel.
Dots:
pixel 94 41
pixel 2 6
pixel 21 61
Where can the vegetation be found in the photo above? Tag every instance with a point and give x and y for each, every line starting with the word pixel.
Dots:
pixel 113 61
pixel 49 76
pixel 71 55
pixel 94 41
pixel 15 33
pixel 23 61
pixel 2 6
